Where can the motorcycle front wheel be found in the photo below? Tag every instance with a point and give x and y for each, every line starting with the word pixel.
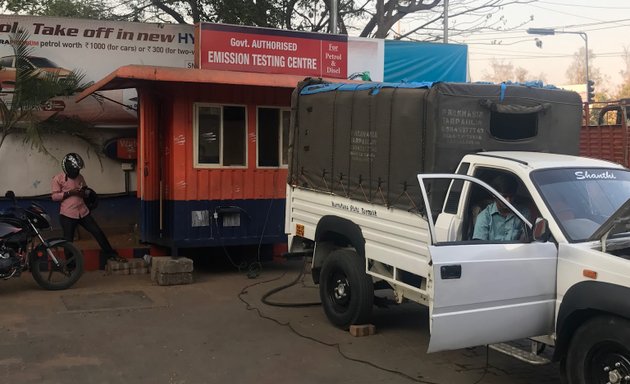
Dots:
pixel 52 276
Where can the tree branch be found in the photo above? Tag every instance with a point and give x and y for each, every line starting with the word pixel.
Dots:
pixel 174 14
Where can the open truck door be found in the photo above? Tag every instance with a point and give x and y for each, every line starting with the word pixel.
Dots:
pixel 484 292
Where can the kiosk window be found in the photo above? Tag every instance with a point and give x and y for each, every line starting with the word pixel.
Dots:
pixel 220 135
pixel 273 137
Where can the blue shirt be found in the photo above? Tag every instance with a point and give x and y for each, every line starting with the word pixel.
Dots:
pixel 493 226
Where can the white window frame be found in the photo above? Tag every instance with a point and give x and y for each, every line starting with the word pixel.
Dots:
pixel 196 163
pixel 281 110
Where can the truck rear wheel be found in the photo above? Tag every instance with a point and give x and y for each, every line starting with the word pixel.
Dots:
pixel 600 352
pixel 346 291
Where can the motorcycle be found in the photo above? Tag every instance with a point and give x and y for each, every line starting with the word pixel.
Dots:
pixel 54 263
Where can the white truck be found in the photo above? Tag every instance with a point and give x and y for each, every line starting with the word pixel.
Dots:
pixel 565 282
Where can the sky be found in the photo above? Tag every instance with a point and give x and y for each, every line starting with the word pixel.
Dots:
pixel 606 23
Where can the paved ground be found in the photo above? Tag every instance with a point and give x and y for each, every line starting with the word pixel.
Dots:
pixel 125 329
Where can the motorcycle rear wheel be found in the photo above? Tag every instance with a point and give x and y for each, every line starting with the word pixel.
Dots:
pixel 54 277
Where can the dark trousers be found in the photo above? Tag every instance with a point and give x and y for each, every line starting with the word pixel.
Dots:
pixel 69 226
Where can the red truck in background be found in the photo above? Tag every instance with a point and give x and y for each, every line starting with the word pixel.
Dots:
pixel 604 133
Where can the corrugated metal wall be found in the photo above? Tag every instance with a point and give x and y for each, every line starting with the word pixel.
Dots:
pixel 188 183
pixel 608 142
pixel 166 145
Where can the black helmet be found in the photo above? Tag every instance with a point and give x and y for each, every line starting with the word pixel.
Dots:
pixel 71 164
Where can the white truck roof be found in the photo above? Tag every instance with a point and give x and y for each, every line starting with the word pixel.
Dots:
pixel 540 160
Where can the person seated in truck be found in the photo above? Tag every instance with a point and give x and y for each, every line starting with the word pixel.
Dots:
pixel 497 222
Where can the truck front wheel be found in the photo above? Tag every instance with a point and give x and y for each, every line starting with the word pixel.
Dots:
pixel 346 291
pixel 600 352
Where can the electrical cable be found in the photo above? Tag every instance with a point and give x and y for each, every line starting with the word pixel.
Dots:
pixel 256 269
pixel 337 346
pixel 264 298
pixel 485 369
pixel 243 264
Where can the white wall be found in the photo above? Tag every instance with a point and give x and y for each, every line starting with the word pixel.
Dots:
pixel 29 173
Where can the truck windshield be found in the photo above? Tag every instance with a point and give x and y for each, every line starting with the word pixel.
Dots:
pixel 582 199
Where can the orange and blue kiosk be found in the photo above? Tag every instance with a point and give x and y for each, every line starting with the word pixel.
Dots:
pixel 213 140
pixel 212 156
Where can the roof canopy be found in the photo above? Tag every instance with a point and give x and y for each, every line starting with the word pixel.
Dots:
pixel 134 76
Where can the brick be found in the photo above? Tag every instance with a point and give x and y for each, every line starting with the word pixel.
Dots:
pixel 136 263
pixel 362 330
pixel 138 271
pixel 174 278
pixel 113 265
pixel 117 272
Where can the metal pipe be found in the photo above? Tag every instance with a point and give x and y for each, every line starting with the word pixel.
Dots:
pixel 585 37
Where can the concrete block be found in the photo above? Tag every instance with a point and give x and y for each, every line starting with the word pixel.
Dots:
pixel 169 265
pixel 179 265
pixel 174 278
pixel 156 262
pixel 362 330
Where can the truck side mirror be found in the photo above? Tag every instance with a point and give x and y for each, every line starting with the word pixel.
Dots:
pixel 541 230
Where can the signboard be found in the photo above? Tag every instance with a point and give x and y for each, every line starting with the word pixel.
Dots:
pixel 98 47
pixel 94 48
pixel 235 48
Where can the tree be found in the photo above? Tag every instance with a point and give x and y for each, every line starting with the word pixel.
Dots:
pixel 501 71
pixel 576 73
pixel 466 17
pixel 624 88
pixel 87 9
pixel 32 90
pixel 367 18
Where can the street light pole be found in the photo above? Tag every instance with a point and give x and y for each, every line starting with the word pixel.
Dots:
pixel 445 21
pixel 333 17
pixel 552 31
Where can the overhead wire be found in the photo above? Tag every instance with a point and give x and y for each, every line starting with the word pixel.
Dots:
pixel 590 5
pixel 563 13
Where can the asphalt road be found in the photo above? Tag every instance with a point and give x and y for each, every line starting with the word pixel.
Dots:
pixel 125 329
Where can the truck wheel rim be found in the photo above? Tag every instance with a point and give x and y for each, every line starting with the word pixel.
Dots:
pixel 610 363
pixel 339 290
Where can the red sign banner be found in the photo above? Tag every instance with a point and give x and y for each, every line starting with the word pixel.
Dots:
pixel 234 48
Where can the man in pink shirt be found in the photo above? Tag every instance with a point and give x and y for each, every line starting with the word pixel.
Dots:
pixel 69 187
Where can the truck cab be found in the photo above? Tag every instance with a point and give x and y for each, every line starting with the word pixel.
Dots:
pixel 565 280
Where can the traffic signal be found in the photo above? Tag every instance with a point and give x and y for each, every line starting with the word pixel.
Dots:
pixel 590 91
